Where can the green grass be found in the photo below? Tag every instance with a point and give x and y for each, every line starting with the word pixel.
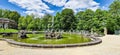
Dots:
pixel 0 36
pixel 40 39
pixel 8 30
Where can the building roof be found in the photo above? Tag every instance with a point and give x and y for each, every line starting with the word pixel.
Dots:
pixel 6 20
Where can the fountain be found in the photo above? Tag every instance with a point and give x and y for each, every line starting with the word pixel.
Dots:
pixel 53 35
pixel 53 38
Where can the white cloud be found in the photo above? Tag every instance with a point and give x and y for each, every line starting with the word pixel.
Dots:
pixel 37 14
pixel 78 5
pixel 57 2
pixel 93 8
pixel 36 7
pixel 39 8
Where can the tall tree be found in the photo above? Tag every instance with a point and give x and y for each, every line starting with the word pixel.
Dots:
pixel 13 15
pixel 115 12
pixel 22 23
pixel 80 17
pixel 68 19
pixel 1 12
pixel 46 19
pixel 29 19
pixel 115 15
pixel 100 20
pixel 57 23
pixel 85 19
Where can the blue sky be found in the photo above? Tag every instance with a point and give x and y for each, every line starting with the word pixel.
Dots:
pixel 40 7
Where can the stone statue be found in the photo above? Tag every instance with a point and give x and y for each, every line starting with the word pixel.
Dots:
pixel 22 34
pixel 52 35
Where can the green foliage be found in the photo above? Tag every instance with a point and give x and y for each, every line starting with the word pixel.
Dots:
pixel 57 21
pixel 85 19
pixel 8 30
pixel 114 20
pixel 100 19
pixel 96 21
pixel 46 19
pixel 13 15
pixel 22 23
pixel 115 7
pixel 29 22
pixel 68 19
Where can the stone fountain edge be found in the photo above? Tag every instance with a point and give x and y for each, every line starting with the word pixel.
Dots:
pixel 94 41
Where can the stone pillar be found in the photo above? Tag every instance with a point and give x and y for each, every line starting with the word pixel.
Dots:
pixel 105 31
pixel 6 25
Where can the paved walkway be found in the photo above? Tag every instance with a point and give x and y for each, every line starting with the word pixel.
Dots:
pixel 109 46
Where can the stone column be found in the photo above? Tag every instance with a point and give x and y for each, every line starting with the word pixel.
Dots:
pixel 6 25
pixel 105 31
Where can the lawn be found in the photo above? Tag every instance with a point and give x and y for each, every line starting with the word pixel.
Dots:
pixel 8 30
pixel 0 36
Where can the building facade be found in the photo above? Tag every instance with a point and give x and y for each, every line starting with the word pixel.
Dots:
pixel 7 23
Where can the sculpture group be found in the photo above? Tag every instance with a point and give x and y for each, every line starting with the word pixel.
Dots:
pixel 53 35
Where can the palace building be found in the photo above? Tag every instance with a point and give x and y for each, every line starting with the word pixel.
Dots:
pixel 7 23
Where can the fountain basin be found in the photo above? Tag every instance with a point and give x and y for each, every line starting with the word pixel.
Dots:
pixel 33 39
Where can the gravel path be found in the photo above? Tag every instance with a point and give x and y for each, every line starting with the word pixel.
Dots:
pixel 109 46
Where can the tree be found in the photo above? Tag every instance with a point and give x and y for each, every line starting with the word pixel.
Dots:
pixel 37 24
pixel 115 12
pixel 68 19
pixel 13 15
pixel 85 19
pixel 31 25
pixel 5 13
pixel 1 12
pixel 80 15
pixel 115 8
pixel 22 23
pixel 29 19
pixel 57 23
pixel 46 19
pixel 100 19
